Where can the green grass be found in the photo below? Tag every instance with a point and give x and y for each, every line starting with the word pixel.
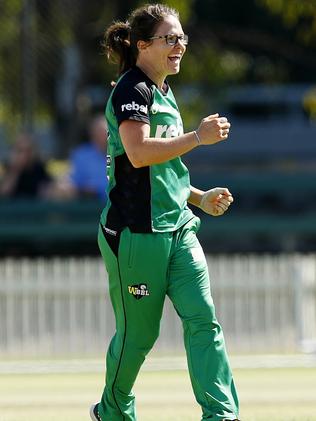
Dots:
pixel 265 395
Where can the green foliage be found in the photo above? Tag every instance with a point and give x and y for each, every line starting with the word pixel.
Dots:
pixel 209 68
pixel 184 8
pixel 10 62
pixel 43 37
pixel 222 49
pixel 300 15
pixel 10 28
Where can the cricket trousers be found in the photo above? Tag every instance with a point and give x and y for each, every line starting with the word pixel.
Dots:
pixel 142 270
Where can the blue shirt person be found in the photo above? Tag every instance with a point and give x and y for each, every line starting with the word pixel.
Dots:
pixel 88 162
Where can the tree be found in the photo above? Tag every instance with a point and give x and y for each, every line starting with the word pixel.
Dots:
pixel 299 15
pixel 276 50
pixel 10 62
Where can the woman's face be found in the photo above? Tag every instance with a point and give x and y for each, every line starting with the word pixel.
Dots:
pixel 164 58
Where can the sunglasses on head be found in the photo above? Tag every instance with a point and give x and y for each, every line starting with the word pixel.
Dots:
pixel 172 39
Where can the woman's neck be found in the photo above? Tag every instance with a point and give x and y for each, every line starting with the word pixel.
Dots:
pixel 152 74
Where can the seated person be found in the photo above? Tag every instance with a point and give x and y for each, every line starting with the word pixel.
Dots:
pixel 25 175
pixel 87 176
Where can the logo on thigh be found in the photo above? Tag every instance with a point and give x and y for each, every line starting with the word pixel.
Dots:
pixel 138 291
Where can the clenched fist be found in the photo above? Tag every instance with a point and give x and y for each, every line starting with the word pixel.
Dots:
pixel 213 129
pixel 216 201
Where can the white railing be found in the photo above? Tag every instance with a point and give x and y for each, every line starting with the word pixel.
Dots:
pixel 62 307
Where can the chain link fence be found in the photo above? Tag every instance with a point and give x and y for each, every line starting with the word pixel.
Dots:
pixel 44 70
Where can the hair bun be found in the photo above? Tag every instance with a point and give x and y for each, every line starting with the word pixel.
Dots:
pixel 121 32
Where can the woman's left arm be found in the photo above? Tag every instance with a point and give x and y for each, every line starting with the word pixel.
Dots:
pixel 215 202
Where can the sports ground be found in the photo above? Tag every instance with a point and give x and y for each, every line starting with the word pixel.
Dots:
pixel 266 394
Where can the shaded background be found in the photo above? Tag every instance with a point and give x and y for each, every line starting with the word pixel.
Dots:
pixel 253 61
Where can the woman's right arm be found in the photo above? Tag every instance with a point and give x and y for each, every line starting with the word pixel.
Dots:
pixel 143 150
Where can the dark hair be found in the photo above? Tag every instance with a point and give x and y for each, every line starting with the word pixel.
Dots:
pixel 121 37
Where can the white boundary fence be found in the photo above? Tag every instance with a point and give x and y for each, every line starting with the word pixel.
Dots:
pixel 59 307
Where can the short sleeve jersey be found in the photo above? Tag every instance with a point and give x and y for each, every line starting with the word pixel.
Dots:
pixel 151 198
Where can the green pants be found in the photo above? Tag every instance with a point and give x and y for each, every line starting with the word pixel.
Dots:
pixel 142 269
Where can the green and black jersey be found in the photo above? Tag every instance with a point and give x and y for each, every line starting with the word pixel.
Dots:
pixel 152 198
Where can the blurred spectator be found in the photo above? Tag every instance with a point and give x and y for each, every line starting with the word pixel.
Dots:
pixel 87 176
pixel 25 175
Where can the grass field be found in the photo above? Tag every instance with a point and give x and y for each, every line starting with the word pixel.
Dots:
pixel 287 394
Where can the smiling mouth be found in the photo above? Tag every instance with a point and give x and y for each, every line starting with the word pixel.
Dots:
pixel 174 59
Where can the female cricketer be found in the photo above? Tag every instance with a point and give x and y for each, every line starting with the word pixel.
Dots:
pixel 147 233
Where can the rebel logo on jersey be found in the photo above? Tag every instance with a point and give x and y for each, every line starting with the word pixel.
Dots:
pixel 138 291
pixel 135 107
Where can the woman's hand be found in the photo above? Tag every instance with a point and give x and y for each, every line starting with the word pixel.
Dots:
pixel 216 201
pixel 213 129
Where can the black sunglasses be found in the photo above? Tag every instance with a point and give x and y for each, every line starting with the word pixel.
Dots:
pixel 172 39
